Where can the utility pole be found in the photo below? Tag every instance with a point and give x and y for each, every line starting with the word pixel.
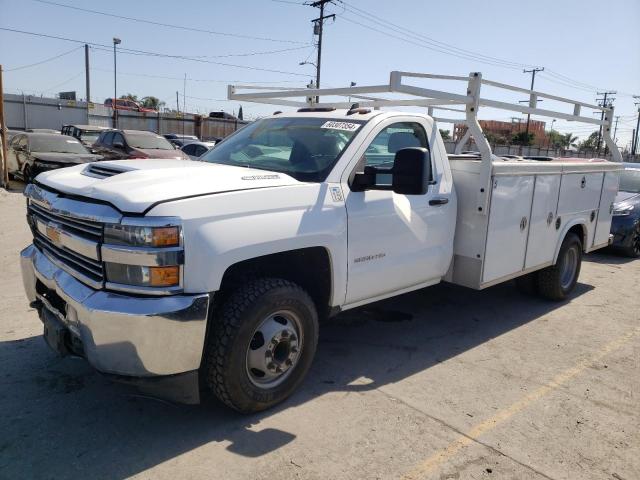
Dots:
pixel 114 104
pixel 605 102
pixel 317 30
pixel 615 129
pixel 86 73
pixel 533 81
pixel 634 138
pixel 177 102
pixel 3 137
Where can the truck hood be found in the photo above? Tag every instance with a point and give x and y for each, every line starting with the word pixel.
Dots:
pixel 136 185
pixel 71 158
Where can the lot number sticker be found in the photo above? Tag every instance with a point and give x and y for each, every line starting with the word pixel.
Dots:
pixel 346 126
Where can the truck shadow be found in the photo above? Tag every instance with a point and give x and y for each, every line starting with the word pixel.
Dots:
pixel 62 420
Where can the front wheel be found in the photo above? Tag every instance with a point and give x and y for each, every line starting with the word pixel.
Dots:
pixel 263 341
pixel 633 250
pixel 559 280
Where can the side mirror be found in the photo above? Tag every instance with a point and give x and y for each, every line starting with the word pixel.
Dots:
pixel 410 174
pixel 411 171
pixel 118 145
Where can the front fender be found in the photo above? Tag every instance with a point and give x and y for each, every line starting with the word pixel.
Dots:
pixel 221 230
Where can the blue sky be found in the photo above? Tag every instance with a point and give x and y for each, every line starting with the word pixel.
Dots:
pixel 594 43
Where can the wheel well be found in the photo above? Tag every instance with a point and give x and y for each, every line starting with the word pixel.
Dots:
pixel 308 267
pixel 581 232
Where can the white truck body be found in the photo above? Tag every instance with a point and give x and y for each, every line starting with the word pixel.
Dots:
pixel 480 221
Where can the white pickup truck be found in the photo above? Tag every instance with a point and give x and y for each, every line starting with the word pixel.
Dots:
pixel 212 275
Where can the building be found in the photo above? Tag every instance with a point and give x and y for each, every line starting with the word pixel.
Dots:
pixel 502 132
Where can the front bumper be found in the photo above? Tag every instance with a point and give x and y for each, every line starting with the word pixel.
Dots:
pixel 128 337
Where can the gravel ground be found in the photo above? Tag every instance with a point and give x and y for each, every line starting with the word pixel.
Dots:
pixel 443 383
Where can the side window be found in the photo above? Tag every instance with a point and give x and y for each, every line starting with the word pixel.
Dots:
pixel 189 149
pixel 382 150
pixel 199 150
pixel 108 139
pixel 118 138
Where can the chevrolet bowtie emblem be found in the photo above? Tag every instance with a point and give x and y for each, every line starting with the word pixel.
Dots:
pixel 53 233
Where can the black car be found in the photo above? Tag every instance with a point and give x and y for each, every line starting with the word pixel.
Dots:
pixel 625 226
pixel 28 154
pixel 180 140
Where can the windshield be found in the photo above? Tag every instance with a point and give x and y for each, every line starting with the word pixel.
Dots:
pixel 56 144
pixel 157 142
pixel 305 148
pixel 89 137
pixel 630 180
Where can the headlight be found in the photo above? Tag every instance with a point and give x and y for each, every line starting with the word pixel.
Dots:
pixel 142 236
pixel 144 255
pixel 622 209
pixel 141 276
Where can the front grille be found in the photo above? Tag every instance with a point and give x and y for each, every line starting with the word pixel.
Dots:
pixel 69 231
pixel 92 270
pixel 84 228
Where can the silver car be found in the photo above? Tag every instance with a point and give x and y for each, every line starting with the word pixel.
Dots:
pixel 196 149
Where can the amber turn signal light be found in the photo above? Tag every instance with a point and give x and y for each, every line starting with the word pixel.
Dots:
pixel 166 237
pixel 164 276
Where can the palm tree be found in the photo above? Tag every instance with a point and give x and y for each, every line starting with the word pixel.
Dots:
pixel 568 140
pixel 152 102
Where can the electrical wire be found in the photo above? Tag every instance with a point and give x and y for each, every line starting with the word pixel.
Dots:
pixel 154 54
pixel 168 25
pixel 42 61
pixel 167 77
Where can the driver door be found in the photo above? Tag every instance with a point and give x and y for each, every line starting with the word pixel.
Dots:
pixel 397 241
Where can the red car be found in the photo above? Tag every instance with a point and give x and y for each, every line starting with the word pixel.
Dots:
pixel 125 104
pixel 128 144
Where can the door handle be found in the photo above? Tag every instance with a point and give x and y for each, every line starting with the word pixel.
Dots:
pixel 439 201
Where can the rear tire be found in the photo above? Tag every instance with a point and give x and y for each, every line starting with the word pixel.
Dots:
pixel 261 346
pixel 559 280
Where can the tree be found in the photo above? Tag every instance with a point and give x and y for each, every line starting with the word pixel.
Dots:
pixel 523 138
pixel 446 134
pixel 152 102
pixel 590 143
pixel 240 117
pixel 129 96
pixel 558 140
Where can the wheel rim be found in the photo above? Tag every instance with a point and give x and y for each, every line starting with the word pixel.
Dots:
pixel 568 267
pixel 274 350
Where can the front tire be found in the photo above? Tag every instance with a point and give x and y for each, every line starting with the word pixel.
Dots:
pixel 633 250
pixel 261 346
pixel 559 280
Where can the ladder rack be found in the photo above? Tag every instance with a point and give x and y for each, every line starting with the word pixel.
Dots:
pixel 470 100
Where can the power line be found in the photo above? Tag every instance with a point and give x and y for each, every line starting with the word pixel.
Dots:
pixel 167 77
pixel 437 45
pixel 246 54
pixel 42 61
pixel 168 25
pixel 153 54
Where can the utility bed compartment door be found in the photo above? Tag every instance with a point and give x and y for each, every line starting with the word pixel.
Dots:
pixel 508 226
pixel 543 235
pixel 579 192
pixel 609 191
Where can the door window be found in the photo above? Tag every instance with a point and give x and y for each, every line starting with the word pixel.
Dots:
pixel 108 139
pixel 189 149
pixel 118 138
pixel 382 150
